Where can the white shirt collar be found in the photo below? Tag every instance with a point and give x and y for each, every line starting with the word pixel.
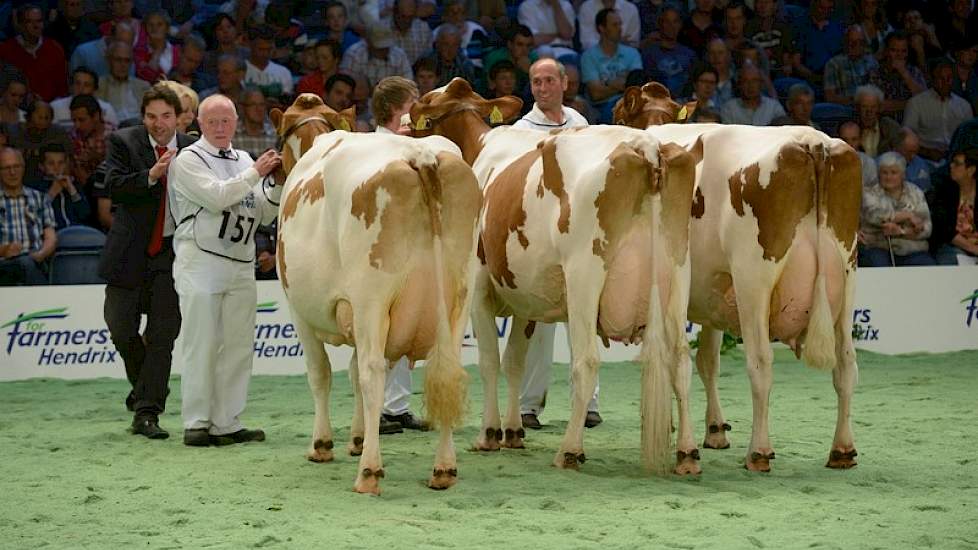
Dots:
pixel 171 145
pixel 383 130
pixel 210 148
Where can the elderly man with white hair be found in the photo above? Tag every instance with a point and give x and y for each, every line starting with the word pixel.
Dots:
pixel 878 134
pixel 218 196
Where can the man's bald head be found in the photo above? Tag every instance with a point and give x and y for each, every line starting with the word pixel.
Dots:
pixel 218 120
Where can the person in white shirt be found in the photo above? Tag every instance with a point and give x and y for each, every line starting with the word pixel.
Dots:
pixel 274 80
pixel 936 113
pixel 391 101
pixel 84 81
pixel 552 23
pixel 218 197
pixel 548 81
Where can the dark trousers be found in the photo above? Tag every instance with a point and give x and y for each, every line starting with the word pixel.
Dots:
pixel 147 356
pixel 21 270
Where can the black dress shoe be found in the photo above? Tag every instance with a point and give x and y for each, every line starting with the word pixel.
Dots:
pixel 389 427
pixel 196 438
pixel 531 421
pixel 592 419
pixel 149 428
pixel 240 436
pixel 408 421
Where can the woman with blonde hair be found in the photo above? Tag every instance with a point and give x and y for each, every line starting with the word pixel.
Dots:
pixel 189 100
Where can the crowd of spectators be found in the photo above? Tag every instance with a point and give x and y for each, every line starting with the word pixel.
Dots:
pixel 896 79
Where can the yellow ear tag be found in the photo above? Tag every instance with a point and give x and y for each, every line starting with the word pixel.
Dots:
pixel 682 114
pixel 344 125
pixel 496 116
pixel 422 123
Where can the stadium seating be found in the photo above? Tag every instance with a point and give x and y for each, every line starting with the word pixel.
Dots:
pixel 75 261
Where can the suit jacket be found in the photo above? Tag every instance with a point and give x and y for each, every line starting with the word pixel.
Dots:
pixel 123 259
pixel 889 135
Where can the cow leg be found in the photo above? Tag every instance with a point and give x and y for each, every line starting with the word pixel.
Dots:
pixel 584 284
pixel 844 378
pixel 484 327
pixel 371 333
pixel 355 447
pixel 514 363
pixel 320 376
pixel 445 472
pixel 708 364
pixel 760 357
pixel 687 455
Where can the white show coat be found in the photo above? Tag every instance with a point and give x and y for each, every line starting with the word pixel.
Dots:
pixel 218 202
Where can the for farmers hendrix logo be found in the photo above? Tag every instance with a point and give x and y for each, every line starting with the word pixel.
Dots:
pixel 862 329
pixel 275 339
pixel 971 306
pixel 29 332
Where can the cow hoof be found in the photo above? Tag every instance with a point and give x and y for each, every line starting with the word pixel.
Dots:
pixel 488 440
pixel 759 462
pixel 442 479
pixel 716 436
pixel 322 451
pixel 569 461
pixel 688 463
pixel 368 482
pixel 514 439
pixel 356 446
pixel 842 459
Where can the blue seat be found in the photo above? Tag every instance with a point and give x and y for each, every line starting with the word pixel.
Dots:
pixel 830 116
pixel 75 260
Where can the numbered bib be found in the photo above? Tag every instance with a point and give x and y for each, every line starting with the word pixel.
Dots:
pixel 229 233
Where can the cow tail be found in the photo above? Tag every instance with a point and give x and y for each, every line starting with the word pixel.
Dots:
pixel 445 381
pixel 818 349
pixel 656 406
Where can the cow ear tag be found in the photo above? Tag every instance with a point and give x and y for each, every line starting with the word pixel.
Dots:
pixel 422 123
pixel 681 115
pixel 496 116
pixel 344 125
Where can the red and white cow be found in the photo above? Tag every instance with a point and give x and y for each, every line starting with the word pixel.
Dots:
pixel 773 248
pixel 376 250
pixel 587 226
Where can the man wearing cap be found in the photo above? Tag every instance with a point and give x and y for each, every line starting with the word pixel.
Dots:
pixel 377 57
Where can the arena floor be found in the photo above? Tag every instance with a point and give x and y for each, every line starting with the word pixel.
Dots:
pixel 73 477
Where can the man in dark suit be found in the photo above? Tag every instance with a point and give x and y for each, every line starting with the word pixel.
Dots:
pixel 137 261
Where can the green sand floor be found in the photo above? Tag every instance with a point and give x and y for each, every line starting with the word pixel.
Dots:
pixel 73 477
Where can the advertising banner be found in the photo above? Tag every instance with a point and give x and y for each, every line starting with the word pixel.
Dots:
pixel 58 331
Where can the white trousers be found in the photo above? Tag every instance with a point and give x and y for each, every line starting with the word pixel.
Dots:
pixel 397 388
pixel 217 302
pixel 536 375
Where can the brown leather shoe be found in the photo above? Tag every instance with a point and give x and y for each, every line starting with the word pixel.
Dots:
pixel 150 428
pixel 196 438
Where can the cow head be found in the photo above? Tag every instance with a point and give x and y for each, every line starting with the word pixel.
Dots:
pixel 650 105
pixel 305 119
pixel 458 113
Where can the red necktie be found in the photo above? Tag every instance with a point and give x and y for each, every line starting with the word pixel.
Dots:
pixel 156 239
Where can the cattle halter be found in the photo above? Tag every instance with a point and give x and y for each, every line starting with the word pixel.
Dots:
pixel 280 143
